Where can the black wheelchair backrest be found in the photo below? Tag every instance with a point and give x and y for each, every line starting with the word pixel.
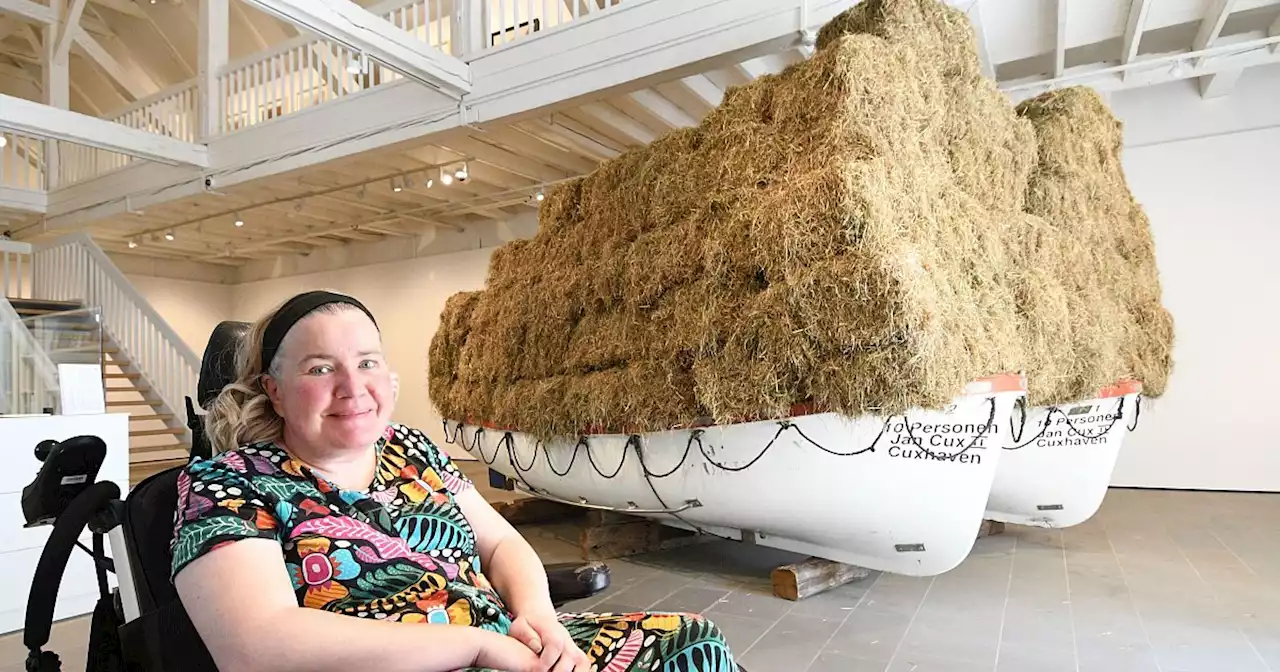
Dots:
pixel 217 370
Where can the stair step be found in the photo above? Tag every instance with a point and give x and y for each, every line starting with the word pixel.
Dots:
pixel 47 306
pixel 137 388
pixel 143 402
pixel 122 376
pixel 154 416
pixel 161 453
pixel 157 432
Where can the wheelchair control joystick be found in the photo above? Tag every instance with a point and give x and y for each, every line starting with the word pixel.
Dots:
pixel 44 447
pixel 70 467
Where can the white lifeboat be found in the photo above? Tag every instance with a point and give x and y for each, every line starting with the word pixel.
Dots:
pixel 1058 460
pixel 903 494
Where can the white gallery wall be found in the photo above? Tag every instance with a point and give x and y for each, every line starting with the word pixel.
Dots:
pixel 192 308
pixel 1205 172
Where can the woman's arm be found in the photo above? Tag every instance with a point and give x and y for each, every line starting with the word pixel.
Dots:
pixel 241 601
pixel 510 563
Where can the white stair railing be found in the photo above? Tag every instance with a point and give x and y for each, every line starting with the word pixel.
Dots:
pixel 74 268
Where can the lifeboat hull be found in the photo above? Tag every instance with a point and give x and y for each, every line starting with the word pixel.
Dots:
pixel 903 494
pixel 1057 465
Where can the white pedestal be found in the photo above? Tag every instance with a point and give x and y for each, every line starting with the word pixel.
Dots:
pixel 20 548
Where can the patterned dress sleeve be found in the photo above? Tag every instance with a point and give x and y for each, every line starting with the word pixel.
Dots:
pixel 218 505
pixel 454 480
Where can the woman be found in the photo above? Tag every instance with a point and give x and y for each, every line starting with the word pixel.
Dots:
pixel 328 509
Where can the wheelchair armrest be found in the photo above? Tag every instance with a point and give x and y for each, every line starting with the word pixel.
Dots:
pixel 570 581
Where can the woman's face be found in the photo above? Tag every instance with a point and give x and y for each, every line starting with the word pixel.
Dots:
pixel 334 388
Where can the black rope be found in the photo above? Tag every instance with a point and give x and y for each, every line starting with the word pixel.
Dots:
pixel 1022 426
pixel 457 431
pixel 1137 413
pixel 475 446
pixel 634 440
pixel 987 426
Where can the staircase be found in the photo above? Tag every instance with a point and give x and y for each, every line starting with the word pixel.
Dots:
pixel 81 309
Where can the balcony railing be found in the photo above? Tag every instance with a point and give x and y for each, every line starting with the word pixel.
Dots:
pixel 21 162
pixel 308 71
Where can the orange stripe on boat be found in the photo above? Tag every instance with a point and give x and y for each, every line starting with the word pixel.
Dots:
pixel 1121 389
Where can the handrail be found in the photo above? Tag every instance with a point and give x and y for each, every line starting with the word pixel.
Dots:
pixel 73 267
pixel 153 98
pixel 109 268
pixel 380 9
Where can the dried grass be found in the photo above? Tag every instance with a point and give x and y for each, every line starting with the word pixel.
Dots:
pixel 848 234
pixel 1100 253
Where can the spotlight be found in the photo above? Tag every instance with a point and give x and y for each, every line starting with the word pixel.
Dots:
pixel 239 220
pixel 168 235
pixel 356 66
pixel 397 187
pixel 461 173
pixel 430 183
pixel 132 243
pixel 540 196
pixel 446 179
pixel 4 141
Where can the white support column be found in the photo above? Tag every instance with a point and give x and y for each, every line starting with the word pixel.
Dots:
pixel 57 87
pixel 214 18
pixel 470 24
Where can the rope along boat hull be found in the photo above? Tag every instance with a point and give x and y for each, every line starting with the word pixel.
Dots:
pixel 1057 465
pixel 903 494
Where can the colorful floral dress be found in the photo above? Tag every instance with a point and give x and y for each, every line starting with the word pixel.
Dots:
pixel 402 551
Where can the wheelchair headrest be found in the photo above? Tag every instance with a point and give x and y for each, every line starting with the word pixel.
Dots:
pixel 218 368
pixel 70 467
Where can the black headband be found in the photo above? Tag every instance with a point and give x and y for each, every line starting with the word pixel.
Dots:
pixel 295 309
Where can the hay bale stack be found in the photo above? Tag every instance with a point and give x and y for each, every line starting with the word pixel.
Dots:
pixel 856 233
pixel 831 235
pixel 1100 252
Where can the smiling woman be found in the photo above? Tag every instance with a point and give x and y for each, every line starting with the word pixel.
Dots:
pixel 318 506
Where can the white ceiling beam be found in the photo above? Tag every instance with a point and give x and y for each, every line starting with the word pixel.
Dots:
pixel 44 121
pixel 501 158
pixel 350 24
pixel 628 127
pixel 1060 50
pixel 125 7
pixel 1219 84
pixel 704 90
pixel 1237 54
pixel 30 10
pixel 133 81
pixel 660 107
pixel 985 64
pixel 1211 25
pixel 1138 11
pixel 68 28
pixel 1274 31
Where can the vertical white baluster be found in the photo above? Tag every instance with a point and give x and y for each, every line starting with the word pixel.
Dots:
pixel 278 64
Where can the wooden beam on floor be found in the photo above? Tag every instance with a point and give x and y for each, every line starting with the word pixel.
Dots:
pixel 813 576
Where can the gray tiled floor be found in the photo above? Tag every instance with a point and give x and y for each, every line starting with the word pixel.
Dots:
pixel 1161 581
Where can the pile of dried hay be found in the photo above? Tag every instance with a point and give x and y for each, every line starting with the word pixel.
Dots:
pixel 1103 321
pixel 849 234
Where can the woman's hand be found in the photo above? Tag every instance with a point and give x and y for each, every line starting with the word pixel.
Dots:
pixel 544 635
pixel 501 652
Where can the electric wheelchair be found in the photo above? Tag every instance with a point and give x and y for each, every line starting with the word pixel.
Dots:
pixel 141 626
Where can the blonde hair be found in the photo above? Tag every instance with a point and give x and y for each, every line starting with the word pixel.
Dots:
pixel 242 413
